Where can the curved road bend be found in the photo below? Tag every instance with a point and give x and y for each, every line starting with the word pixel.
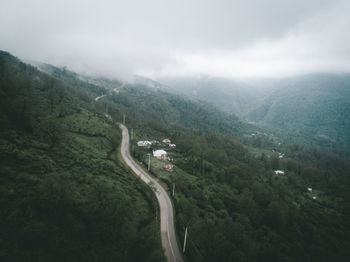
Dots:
pixel 167 228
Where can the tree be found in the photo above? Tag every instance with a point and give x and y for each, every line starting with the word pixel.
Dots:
pixel 51 131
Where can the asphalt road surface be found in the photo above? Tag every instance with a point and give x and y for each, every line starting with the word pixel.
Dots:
pixel 167 229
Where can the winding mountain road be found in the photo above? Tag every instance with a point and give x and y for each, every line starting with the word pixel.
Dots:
pixel 99 97
pixel 167 228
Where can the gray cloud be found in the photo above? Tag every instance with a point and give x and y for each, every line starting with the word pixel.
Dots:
pixel 159 37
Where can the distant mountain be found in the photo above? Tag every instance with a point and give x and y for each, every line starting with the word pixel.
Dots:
pixel 140 80
pixel 318 104
pixel 229 95
pixel 77 79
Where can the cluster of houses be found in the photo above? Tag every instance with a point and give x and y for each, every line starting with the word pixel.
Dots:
pixel 165 141
pixel 160 154
pixel 163 155
pixel 148 143
pixel 144 143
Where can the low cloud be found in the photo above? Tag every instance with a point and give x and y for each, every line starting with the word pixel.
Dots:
pixel 158 38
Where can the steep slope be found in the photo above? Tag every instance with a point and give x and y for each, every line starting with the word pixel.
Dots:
pixel 65 196
pixel 145 101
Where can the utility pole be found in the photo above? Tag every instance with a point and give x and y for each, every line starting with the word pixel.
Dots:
pixel 173 189
pixel 149 162
pixel 184 249
pixel 132 134
pixel 124 119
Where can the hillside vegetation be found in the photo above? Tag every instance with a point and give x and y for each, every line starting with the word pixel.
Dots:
pixel 236 208
pixel 65 196
pixel 229 95
pixel 315 104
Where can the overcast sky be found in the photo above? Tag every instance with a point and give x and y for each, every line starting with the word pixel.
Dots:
pixel 269 38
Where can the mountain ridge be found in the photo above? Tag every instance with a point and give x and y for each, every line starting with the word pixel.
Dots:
pixel 315 103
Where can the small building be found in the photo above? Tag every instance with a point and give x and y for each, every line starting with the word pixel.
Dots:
pixel 314 198
pixel 144 143
pixel 309 189
pixel 160 154
pixel 166 141
pixel 279 172
pixel 280 155
pixel 169 167
pixel 172 145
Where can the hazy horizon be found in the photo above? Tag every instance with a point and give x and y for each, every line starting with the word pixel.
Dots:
pixel 235 39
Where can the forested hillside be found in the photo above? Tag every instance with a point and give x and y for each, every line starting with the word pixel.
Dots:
pixel 237 209
pixel 229 95
pixel 317 104
pixel 62 177
pixel 65 195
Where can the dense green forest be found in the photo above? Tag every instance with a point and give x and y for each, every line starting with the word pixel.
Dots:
pixel 65 187
pixel 317 104
pixel 65 195
pixel 229 95
pixel 237 209
pixel 226 191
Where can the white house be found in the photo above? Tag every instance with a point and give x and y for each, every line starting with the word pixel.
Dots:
pixel 309 189
pixel 172 145
pixel 166 141
pixel 144 143
pixel 279 172
pixel 160 154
